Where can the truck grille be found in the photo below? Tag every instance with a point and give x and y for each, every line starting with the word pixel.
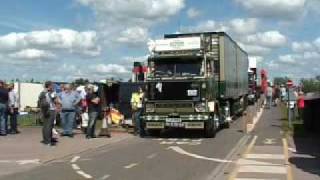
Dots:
pixel 174 107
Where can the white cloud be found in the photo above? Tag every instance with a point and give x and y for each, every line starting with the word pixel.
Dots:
pixel 317 43
pixel 302 46
pixel 109 68
pixel 56 39
pixel 280 9
pixel 288 58
pixel 255 50
pixel 120 17
pixel 32 54
pixel 193 13
pixel 235 26
pixel 244 26
pixel 271 39
pixel 133 35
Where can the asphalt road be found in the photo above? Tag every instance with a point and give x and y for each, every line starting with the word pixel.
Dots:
pixel 175 156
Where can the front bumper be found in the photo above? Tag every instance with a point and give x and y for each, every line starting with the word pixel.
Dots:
pixel 192 121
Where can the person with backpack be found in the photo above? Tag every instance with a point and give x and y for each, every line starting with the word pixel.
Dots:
pixel 46 103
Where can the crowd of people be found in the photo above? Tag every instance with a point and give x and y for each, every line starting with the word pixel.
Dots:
pixel 8 109
pixel 277 93
pixel 68 105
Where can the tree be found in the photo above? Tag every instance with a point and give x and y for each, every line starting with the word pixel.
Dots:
pixel 280 80
pixel 81 81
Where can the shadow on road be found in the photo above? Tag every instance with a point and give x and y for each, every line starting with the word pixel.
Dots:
pixel 307 156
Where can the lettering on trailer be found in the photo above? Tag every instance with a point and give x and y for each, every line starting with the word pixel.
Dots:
pixel 174 44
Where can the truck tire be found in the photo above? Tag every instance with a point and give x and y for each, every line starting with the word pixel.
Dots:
pixel 210 129
pixel 226 125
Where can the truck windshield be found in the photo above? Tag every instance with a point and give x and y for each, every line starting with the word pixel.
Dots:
pixel 178 67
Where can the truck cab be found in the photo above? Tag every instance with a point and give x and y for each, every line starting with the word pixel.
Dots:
pixel 181 87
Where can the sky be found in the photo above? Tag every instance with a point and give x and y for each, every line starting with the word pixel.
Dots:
pixel 63 40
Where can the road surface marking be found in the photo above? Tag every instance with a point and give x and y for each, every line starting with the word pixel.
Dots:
pixel 181 143
pixel 263 169
pixel 253 162
pixel 248 150
pixel 264 156
pixel 173 139
pixel 256 179
pixel 75 167
pixel 6 161
pixel 253 141
pixel 104 177
pixel 152 156
pixel 31 161
pixel 75 159
pixel 286 154
pixel 130 166
pixel 166 142
pixel 22 162
pixel 85 175
pixel 196 140
pixel 181 151
pixel 269 141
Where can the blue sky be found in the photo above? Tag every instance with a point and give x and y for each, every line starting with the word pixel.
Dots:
pixel 66 39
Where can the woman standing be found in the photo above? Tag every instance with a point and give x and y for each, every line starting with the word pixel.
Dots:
pixel 300 104
pixel 93 103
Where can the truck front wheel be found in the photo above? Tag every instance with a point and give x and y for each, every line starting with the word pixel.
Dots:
pixel 210 129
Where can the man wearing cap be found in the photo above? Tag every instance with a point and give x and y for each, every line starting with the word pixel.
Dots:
pixel 4 97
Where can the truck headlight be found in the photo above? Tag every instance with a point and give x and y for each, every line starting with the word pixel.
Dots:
pixel 150 108
pixel 200 107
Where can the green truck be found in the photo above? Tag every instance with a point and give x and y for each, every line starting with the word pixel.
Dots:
pixel 195 81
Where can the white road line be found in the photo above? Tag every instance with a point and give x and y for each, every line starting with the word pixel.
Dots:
pixel 173 139
pixel 75 159
pixel 6 161
pixel 22 162
pixel 264 156
pixel 130 166
pixel 166 142
pixel 75 167
pixel 255 179
pixel 85 175
pixel 31 161
pixel 151 156
pixel 185 139
pixel 181 151
pixel 181 143
pixel 253 162
pixel 196 140
pixel 263 169
pixel 105 177
pixel 194 143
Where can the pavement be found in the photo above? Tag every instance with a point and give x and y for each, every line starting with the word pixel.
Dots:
pixel 266 156
pixel 176 155
pixel 263 154
pixel 24 151
pixel 304 156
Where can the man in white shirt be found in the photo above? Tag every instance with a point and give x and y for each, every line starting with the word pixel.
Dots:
pixel 13 105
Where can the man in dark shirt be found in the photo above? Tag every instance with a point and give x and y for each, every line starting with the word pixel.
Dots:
pixel 4 97
pixel 93 102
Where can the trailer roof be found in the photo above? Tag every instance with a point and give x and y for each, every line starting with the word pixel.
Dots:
pixel 220 33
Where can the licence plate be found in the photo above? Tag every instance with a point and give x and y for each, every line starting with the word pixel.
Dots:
pixel 173 120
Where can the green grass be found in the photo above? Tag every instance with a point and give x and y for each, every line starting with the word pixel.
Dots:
pixel 297 127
